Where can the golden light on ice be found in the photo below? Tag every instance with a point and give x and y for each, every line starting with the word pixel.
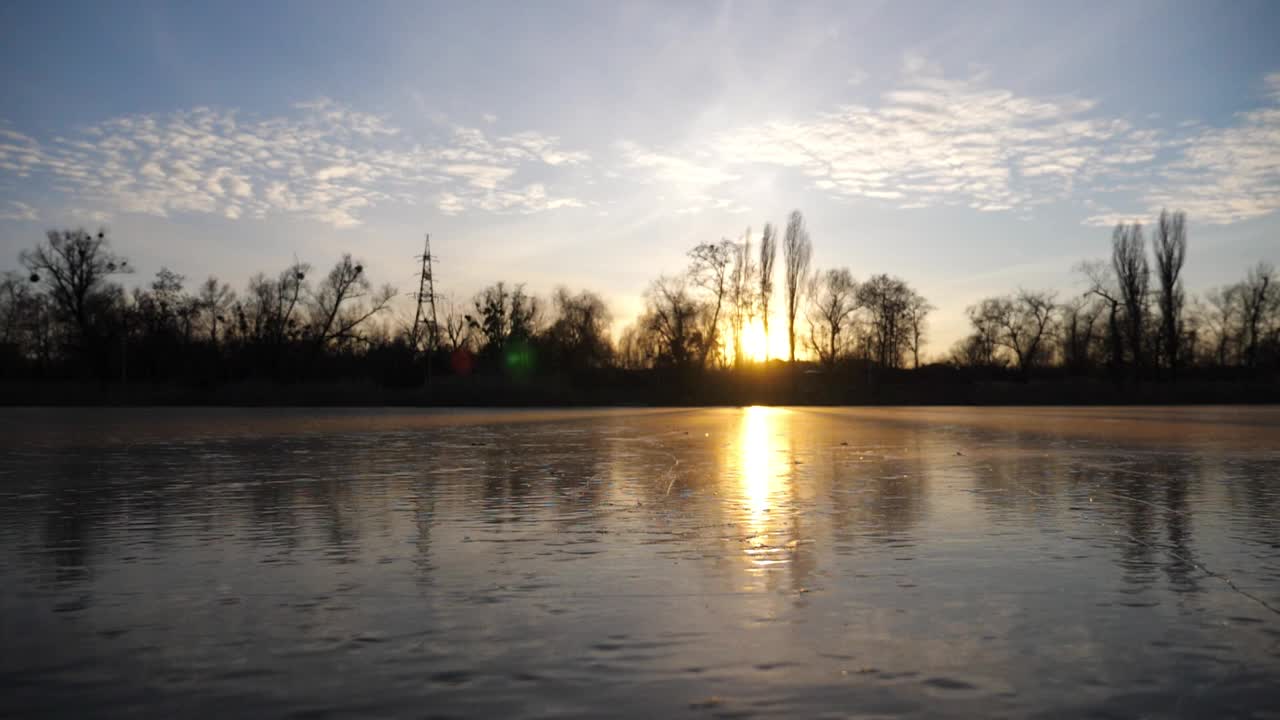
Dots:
pixel 762 473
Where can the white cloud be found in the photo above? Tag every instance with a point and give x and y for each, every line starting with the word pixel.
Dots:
pixel 673 169
pixel 84 214
pixel 450 204
pixel 482 176
pixel 19 211
pixel 935 140
pixel 1111 219
pixel 324 161
pixel 938 141
pixel 1225 175
pixel 1272 83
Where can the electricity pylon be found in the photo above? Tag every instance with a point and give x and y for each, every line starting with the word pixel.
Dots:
pixel 426 312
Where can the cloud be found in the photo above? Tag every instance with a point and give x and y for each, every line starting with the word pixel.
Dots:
pixel 529 199
pixel 482 176
pixel 939 141
pixel 930 140
pixel 1225 175
pixel 322 161
pixel 673 169
pixel 86 214
pixel 19 211
pixel 1111 219
pixel 701 203
pixel 1272 83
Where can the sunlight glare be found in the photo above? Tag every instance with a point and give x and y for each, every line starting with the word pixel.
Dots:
pixel 760 463
pixel 754 343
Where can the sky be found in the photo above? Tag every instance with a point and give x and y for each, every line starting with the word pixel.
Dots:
pixel 970 148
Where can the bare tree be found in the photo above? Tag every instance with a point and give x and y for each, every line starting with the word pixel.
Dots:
pixel 1019 323
pixel 457 331
pixel 887 301
pixel 492 318
pixel 503 316
pixel 742 295
pixel 710 269
pixel 1077 320
pixel 168 309
pixel 1129 262
pixel 672 316
pixel 768 254
pixel 15 301
pixel 27 326
pixel 638 346
pixel 1171 251
pixel 267 315
pixel 1222 317
pixel 976 350
pixel 338 306
pixel 1102 284
pixel 215 301
pixel 979 349
pixel 73 267
pixel 833 301
pixel 1257 298
pixel 797 252
pixel 918 309
pixel 579 335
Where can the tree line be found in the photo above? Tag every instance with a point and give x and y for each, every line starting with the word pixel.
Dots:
pixel 1128 324
pixel 67 316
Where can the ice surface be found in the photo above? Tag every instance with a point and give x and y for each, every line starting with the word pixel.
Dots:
pixel 640 563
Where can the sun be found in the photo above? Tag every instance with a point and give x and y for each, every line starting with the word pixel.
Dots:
pixel 754 345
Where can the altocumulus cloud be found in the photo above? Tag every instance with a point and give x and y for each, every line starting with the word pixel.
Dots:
pixel 323 161
pixel 934 140
pixel 1228 174
pixel 930 140
pixel 14 210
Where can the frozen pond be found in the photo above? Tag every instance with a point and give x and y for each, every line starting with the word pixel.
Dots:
pixel 757 562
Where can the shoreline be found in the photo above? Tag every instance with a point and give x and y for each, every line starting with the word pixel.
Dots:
pixel 555 394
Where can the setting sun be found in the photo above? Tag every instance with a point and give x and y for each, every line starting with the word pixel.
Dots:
pixel 754 343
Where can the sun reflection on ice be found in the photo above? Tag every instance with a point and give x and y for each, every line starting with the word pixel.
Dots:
pixel 764 476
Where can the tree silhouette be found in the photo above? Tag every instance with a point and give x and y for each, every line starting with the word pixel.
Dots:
pixel 833 301
pixel 1258 298
pixel 65 317
pixel 742 293
pixel 768 254
pixel 1076 323
pixel 1171 252
pixel 1129 262
pixel 73 267
pixel 338 304
pixel 918 309
pixel 215 301
pixel 709 269
pixel 797 252
pixel 579 335
pixel 1019 323
pixel 672 316
pixel 887 301
pixel 1102 284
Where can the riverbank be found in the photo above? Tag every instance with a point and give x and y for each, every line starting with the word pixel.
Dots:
pixel 711 390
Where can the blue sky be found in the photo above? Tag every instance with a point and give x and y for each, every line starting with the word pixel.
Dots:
pixel 971 148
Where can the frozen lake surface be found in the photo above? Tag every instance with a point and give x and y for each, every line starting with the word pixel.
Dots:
pixel 757 562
